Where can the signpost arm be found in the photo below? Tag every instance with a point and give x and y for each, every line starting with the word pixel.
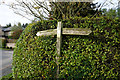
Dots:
pixel 59 39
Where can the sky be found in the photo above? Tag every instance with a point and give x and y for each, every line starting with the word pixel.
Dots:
pixel 8 16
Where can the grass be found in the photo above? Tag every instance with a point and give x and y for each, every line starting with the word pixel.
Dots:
pixel 7 77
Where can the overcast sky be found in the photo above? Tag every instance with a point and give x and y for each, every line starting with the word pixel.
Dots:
pixel 8 16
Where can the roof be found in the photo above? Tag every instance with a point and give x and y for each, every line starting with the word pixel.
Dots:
pixel 6 29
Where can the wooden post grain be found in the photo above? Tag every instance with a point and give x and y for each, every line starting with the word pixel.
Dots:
pixel 59 39
pixel 65 31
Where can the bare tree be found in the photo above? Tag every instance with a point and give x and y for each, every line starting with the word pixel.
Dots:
pixel 45 9
pixel 34 8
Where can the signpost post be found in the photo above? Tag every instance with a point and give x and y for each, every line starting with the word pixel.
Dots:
pixel 59 40
pixel 63 31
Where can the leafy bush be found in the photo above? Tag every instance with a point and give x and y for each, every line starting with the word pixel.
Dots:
pixel 17 30
pixel 16 34
pixel 2 43
pixel 94 56
pixel 17 27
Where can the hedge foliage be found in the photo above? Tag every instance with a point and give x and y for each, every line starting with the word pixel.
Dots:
pixel 94 56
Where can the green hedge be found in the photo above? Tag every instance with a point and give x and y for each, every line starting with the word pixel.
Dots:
pixel 94 56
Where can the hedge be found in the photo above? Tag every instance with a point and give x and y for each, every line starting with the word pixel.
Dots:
pixel 94 56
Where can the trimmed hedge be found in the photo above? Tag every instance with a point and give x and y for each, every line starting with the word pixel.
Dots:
pixel 94 56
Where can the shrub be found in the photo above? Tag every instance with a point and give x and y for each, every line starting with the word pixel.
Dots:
pixel 16 34
pixel 17 30
pixel 94 56
pixel 3 43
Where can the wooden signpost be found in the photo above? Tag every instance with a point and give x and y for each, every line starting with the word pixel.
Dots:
pixel 63 31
